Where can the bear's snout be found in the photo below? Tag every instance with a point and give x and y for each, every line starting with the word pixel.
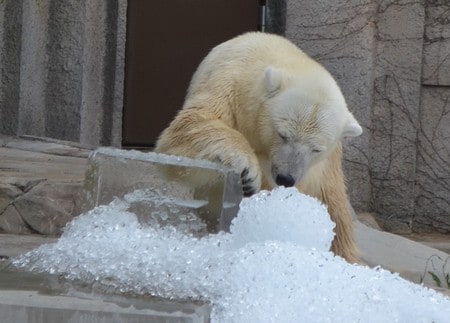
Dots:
pixel 285 180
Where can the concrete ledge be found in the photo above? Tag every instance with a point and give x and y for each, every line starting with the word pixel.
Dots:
pixel 12 245
pixel 30 306
pixel 412 260
pixel 44 298
pixel 39 182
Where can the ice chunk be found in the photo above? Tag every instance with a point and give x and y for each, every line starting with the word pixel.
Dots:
pixel 157 210
pixel 259 272
pixel 204 194
pixel 275 209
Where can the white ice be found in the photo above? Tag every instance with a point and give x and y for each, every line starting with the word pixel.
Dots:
pixel 274 265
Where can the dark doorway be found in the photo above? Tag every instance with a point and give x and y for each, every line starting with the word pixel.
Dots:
pixel 166 40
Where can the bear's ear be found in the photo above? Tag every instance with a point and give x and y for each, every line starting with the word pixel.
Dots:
pixel 272 79
pixel 352 128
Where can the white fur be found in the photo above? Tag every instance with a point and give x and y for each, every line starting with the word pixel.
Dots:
pixel 309 117
pixel 287 106
pixel 258 104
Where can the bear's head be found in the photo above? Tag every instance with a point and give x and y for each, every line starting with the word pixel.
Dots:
pixel 308 117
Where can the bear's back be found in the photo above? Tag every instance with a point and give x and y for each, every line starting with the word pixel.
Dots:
pixel 233 66
pixel 254 51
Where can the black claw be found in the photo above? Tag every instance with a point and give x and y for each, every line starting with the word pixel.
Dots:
pixel 246 182
pixel 248 192
pixel 247 188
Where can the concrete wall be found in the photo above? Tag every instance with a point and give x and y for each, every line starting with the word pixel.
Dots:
pixel 392 60
pixel 62 69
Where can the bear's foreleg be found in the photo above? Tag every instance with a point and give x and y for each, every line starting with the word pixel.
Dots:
pixel 207 137
pixel 333 194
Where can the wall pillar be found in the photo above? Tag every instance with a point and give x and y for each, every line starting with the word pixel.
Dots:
pixel 432 204
pixel 10 31
pixel 62 69
pixel 33 67
pixel 395 112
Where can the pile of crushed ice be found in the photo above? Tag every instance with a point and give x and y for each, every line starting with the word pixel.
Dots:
pixel 274 266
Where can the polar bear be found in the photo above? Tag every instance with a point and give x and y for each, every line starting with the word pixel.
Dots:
pixel 260 105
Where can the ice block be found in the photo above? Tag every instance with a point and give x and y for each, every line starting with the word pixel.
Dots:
pixel 192 195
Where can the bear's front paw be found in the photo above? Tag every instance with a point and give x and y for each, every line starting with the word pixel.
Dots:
pixel 249 183
pixel 248 167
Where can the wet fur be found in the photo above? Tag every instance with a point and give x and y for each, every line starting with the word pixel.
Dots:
pixel 229 124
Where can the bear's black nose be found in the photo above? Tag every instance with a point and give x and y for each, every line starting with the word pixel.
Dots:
pixel 285 180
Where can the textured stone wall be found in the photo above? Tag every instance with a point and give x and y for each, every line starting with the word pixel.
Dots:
pixel 62 69
pixel 392 61
pixel 432 190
